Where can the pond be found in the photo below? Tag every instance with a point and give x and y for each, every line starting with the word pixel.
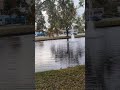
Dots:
pixel 17 62
pixel 59 54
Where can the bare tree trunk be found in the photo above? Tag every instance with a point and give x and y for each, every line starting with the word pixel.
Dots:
pixel 67 32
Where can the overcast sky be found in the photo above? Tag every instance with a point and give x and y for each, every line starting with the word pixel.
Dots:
pixel 81 10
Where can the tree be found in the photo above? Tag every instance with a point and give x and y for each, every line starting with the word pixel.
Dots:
pixel 39 18
pixel 61 14
pixel 80 20
pixel 40 22
pixel 53 16
pixel 7 5
pixel 81 3
pixel 67 13
pixel 80 24
pixel 110 8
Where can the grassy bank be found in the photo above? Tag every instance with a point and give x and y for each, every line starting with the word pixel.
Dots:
pixel 58 37
pixel 110 22
pixel 65 79
pixel 16 30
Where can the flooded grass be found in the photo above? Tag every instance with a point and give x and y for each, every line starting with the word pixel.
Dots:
pixel 72 78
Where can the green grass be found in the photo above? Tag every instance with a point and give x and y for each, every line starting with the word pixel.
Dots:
pixel 64 79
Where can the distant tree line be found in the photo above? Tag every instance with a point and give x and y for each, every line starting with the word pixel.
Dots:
pixel 20 7
pixel 110 6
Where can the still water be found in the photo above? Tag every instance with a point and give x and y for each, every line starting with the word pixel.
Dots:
pixel 17 58
pixel 58 54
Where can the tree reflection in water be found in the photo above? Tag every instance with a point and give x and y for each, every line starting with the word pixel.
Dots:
pixel 41 43
pixel 14 42
pixel 68 53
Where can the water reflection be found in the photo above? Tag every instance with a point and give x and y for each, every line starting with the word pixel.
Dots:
pixel 103 60
pixel 15 42
pixel 17 61
pixel 56 54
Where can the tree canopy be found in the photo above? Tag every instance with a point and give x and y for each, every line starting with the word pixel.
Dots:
pixel 39 18
pixel 61 13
